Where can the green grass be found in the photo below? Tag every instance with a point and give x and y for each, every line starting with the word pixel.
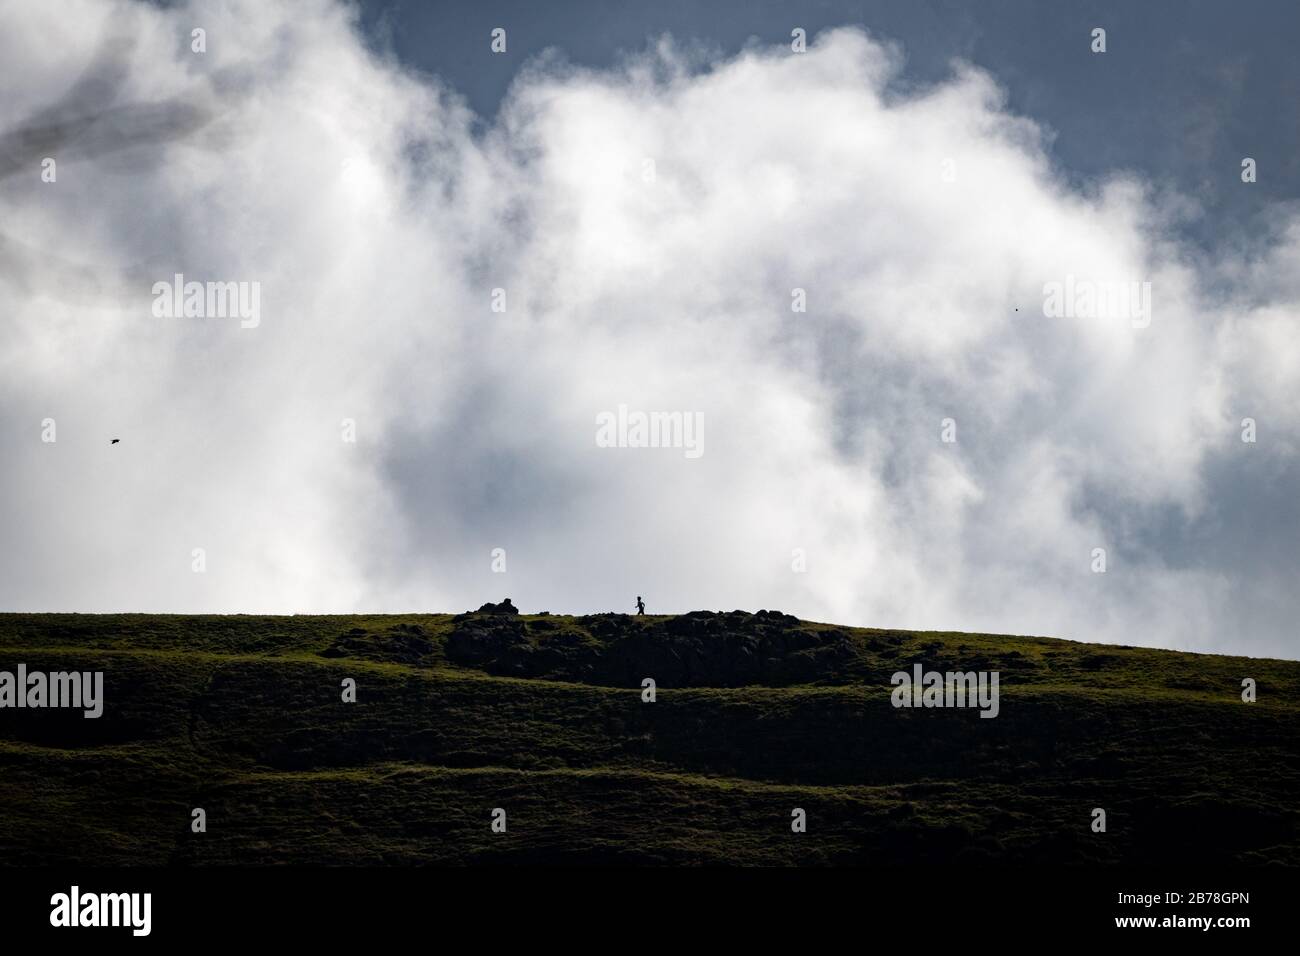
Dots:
pixel 242 716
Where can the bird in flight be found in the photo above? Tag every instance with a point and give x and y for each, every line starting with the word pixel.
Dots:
pixel 115 441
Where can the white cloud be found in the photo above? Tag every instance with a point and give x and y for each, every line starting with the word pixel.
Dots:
pixel 377 224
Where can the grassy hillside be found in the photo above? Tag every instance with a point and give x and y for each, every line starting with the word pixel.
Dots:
pixel 543 716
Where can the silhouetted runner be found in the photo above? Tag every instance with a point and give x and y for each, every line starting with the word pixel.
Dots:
pixel 640 605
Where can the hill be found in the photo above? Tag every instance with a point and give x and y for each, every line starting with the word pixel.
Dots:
pixel 543 715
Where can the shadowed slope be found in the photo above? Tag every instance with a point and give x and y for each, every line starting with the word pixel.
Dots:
pixel 543 716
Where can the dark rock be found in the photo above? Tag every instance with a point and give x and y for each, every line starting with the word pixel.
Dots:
pixel 701 648
pixel 505 607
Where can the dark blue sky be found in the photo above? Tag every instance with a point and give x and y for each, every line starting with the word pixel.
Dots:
pixel 1185 90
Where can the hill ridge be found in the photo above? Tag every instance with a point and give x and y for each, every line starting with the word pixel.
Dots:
pixel 230 713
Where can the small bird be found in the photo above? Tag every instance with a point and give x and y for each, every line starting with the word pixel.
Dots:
pixel 115 441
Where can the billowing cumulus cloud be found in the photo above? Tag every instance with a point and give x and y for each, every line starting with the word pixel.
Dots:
pixel 648 228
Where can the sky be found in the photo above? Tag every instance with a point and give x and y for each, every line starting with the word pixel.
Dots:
pixel 868 273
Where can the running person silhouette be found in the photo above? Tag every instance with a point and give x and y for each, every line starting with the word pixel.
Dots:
pixel 640 605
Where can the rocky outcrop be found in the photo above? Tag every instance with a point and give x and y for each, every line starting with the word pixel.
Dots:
pixel 505 607
pixel 701 649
